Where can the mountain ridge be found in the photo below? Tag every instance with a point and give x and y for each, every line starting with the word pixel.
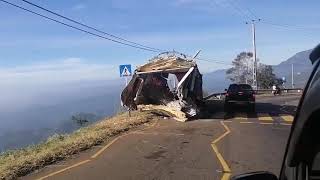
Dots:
pixel 217 81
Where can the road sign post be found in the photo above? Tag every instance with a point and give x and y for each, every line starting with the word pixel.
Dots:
pixel 125 71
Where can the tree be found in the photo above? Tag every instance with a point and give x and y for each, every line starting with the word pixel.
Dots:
pixel 241 72
pixel 82 119
pixel 265 76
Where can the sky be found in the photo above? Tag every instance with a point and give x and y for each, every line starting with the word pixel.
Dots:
pixel 35 52
pixel 45 64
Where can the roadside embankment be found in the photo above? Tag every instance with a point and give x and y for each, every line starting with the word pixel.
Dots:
pixel 20 162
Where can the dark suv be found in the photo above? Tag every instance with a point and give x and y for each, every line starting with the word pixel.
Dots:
pixel 240 94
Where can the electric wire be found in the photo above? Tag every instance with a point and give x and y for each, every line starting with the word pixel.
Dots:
pixel 89 27
pixel 73 27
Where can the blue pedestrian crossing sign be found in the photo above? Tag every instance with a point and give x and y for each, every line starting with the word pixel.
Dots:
pixel 125 70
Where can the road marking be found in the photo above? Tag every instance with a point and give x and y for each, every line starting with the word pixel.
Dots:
pixel 65 169
pixel 226 176
pixel 108 145
pixel 223 135
pixel 246 122
pixel 266 123
pixel 116 139
pixel 287 118
pixel 264 117
pixel 228 121
pixel 226 169
pixel 95 155
pixel 156 133
pixel 221 159
pixel 241 116
pixel 285 124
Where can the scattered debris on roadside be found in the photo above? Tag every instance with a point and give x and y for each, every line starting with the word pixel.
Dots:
pixel 169 82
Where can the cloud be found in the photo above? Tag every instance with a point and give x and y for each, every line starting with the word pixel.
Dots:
pixel 63 71
pixel 78 7
pixel 52 81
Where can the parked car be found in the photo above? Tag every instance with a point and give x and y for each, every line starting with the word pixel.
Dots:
pixel 302 156
pixel 240 94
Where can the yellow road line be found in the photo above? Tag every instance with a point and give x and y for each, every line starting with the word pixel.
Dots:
pixel 108 145
pixel 285 124
pixel 246 122
pixel 228 121
pixel 266 123
pixel 65 169
pixel 116 139
pixel 221 159
pixel 156 133
pixel 93 156
pixel 226 169
pixel 264 117
pixel 241 116
pixel 287 118
pixel 226 176
pixel 223 135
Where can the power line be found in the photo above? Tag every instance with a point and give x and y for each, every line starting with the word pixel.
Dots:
pixel 89 27
pixel 265 21
pixel 79 29
pixel 239 10
pixel 288 26
pixel 277 25
pixel 253 15
pixel 97 35
pixel 234 13
pixel 213 61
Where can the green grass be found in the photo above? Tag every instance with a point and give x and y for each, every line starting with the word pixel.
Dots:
pixel 20 162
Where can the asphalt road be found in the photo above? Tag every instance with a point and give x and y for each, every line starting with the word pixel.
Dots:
pixel 214 147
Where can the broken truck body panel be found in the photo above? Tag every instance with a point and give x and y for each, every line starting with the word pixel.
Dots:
pixel 170 79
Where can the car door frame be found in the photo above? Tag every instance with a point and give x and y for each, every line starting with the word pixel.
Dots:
pixel 299 171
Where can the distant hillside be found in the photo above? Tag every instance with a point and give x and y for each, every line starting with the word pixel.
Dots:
pixel 302 68
pixel 37 122
pixel 216 81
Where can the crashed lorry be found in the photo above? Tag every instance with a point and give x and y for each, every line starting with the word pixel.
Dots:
pixel 169 82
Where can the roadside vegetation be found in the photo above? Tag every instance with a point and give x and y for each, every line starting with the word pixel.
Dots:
pixel 241 72
pixel 23 161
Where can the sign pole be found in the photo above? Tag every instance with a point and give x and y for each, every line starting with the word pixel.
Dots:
pixel 125 71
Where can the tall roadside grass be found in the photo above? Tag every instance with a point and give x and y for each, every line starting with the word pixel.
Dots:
pixel 23 161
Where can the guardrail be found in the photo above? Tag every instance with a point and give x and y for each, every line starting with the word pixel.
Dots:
pixel 286 90
pixel 259 91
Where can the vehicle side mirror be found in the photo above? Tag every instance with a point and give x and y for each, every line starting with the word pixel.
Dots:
pixel 225 89
pixel 262 175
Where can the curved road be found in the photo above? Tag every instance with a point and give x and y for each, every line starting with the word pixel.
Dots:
pixel 199 149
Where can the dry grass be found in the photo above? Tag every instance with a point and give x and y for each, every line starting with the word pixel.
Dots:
pixel 20 162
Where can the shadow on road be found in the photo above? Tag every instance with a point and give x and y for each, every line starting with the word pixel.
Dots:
pixel 214 109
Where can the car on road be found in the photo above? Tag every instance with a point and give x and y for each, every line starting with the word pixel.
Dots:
pixel 240 94
pixel 302 156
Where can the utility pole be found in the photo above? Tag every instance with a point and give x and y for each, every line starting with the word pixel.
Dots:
pixel 292 82
pixel 254 64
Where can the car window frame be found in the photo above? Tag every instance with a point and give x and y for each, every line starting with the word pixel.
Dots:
pixel 316 65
